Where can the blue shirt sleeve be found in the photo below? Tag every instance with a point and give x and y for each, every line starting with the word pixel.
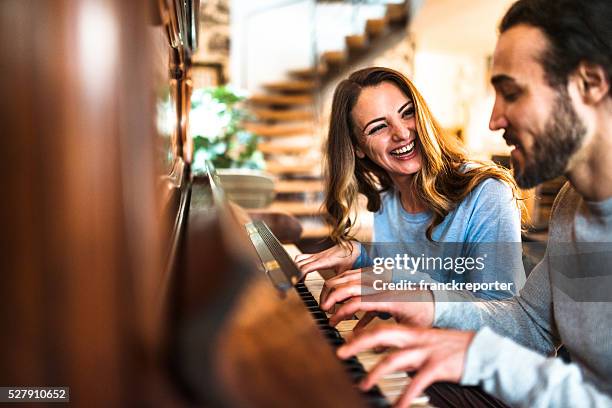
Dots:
pixel 363 259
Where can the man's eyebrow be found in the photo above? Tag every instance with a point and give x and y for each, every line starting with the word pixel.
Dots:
pixel 370 122
pixel 403 106
pixel 500 79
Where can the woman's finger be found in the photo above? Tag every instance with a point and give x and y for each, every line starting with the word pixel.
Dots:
pixel 357 304
pixel 340 293
pixel 300 257
pixel 314 264
pixel 333 284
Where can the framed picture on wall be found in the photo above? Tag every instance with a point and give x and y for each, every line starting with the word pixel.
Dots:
pixel 207 74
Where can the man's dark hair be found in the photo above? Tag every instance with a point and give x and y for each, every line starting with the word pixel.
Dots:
pixel 577 30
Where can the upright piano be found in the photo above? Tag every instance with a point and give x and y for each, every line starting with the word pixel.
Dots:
pixel 126 277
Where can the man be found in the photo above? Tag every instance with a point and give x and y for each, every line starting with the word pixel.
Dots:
pixel 551 72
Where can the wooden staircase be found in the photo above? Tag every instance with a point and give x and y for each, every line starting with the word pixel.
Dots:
pixel 285 117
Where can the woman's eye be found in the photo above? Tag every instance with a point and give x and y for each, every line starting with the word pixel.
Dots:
pixel 408 113
pixel 376 129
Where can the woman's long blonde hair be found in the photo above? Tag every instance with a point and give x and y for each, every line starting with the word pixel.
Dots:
pixel 440 184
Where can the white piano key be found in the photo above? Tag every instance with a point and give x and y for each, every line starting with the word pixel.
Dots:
pixel 346 326
pixel 313 276
pixel 391 385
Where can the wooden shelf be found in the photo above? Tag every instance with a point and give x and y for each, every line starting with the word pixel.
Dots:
pixel 284 115
pixel 298 168
pixel 312 232
pixel 291 86
pixel 282 100
pixel 298 186
pixel 275 148
pixel 298 208
pixel 278 130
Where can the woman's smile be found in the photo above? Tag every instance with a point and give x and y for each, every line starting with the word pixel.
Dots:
pixel 405 152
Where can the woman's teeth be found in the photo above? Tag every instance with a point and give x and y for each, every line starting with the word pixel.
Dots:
pixel 402 151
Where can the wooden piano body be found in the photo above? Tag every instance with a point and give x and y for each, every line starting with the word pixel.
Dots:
pixel 123 277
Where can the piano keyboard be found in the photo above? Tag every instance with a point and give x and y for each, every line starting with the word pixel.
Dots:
pixel 391 386
pixel 283 273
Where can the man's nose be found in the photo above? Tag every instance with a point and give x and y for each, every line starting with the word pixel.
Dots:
pixel 498 119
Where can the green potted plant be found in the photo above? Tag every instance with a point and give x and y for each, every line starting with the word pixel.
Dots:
pixel 215 124
pixel 218 136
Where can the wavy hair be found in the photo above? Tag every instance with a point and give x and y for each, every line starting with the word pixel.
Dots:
pixel 440 184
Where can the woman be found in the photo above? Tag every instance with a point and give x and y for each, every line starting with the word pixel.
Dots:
pixel 385 144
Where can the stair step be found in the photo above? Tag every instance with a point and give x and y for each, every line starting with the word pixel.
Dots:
pixel 278 130
pixel 334 58
pixel 275 148
pixel 288 115
pixel 291 86
pixel 308 73
pixel 397 13
pixel 296 207
pixel 282 100
pixel 277 168
pixel 298 186
pixel 356 43
pixel 376 27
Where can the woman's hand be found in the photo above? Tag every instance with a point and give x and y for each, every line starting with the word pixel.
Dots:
pixel 435 355
pixel 412 308
pixel 357 289
pixel 336 258
pixel 356 282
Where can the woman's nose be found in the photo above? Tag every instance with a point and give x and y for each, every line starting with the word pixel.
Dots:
pixel 400 132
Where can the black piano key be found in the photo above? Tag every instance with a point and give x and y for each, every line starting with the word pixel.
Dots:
pixel 354 368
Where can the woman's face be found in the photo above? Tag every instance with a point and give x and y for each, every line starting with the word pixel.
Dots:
pixel 385 123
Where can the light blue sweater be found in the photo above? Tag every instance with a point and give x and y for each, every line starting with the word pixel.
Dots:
pixel 487 222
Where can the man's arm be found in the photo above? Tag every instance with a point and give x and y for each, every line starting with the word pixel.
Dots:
pixel 527 319
pixel 521 377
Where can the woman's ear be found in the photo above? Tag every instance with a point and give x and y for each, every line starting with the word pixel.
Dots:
pixel 592 82
pixel 360 154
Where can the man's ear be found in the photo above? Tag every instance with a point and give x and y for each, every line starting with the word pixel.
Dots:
pixel 592 82
pixel 359 153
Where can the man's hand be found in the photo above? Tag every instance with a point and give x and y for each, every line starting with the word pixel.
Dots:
pixel 435 355
pixel 337 258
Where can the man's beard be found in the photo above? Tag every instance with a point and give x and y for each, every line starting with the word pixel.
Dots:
pixel 552 149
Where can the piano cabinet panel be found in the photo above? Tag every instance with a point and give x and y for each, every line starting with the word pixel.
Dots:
pixel 79 202
pixel 234 340
pixel 271 350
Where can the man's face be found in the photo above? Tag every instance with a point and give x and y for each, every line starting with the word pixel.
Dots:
pixel 539 121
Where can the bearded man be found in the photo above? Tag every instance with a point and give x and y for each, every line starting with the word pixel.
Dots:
pixel 552 70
